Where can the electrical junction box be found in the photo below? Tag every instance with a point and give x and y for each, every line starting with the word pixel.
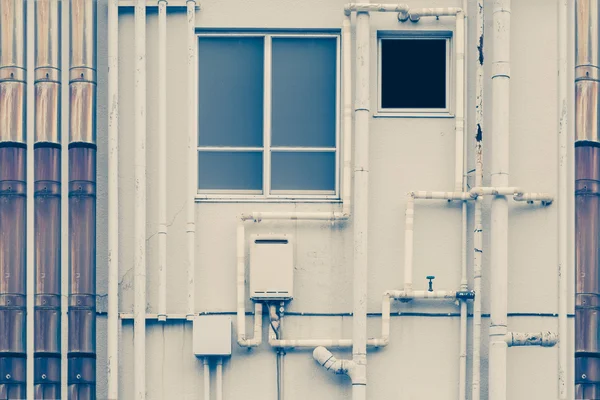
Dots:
pixel 271 267
pixel 212 335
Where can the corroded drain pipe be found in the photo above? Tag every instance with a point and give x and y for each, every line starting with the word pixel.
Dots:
pixel 82 201
pixel 587 199
pixel 47 200
pixel 12 200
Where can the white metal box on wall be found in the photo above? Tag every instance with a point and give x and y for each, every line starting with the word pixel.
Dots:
pixel 212 335
pixel 271 267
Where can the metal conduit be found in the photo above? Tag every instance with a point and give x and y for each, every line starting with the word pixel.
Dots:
pixel 587 199
pixel 47 200
pixel 82 201
pixel 12 200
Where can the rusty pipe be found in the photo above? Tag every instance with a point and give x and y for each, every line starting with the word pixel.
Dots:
pixel 47 200
pixel 13 193
pixel 82 201
pixel 587 199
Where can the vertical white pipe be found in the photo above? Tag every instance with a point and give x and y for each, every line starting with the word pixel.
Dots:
pixel 499 209
pixel 563 265
pixel 113 201
pixel 219 378
pixel 408 243
pixel 139 328
pixel 192 150
pixel 478 231
pixel 162 160
pixel 30 200
pixel 461 101
pixel 347 126
pixel 361 206
pixel 206 379
pixel 65 111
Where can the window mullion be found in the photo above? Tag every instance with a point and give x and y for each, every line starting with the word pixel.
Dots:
pixel 267 118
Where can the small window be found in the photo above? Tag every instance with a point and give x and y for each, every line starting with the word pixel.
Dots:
pixel 414 75
pixel 268 116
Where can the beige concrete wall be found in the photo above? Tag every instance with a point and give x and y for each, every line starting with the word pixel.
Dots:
pixel 406 154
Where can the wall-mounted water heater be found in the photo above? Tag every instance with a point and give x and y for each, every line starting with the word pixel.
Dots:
pixel 271 267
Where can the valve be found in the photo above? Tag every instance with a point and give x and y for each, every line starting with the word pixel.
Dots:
pixel 431 278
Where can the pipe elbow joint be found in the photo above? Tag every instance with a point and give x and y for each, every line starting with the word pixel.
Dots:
pixel 243 342
pixel 339 367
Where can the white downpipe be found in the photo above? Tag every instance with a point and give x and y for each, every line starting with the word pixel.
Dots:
pixel 219 378
pixel 139 324
pixel 192 156
pixel 30 286
pixel 459 120
pixel 242 340
pixel 499 208
pixel 563 264
pixel 361 206
pixel 478 225
pixel 113 199
pixel 206 379
pixel 347 126
pixel 162 160
pixel 461 157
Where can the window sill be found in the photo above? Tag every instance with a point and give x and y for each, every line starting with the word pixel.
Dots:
pixel 206 199
pixel 392 114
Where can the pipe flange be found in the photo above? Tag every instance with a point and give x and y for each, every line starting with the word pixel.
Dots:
pixel 13 74
pixel 81 74
pixel 47 74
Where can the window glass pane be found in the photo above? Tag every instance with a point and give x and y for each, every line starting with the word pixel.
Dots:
pixel 413 73
pixel 230 80
pixel 303 171
pixel 304 92
pixel 218 170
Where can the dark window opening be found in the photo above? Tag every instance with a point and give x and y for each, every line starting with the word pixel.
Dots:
pixel 413 73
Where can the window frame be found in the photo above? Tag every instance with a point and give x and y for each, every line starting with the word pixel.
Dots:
pixel 267 194
pixel 448 111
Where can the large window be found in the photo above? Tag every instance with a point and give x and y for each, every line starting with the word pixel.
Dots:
pixel 268 116
pixel 414 74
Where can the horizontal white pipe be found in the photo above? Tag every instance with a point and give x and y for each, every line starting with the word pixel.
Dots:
pixel 428 195
pixel 375 7
pixel 423 294
pixel 293 215
pixel 544 339
pixel 416 13
pixel 545 198
pixel 339 343
pixel 495 191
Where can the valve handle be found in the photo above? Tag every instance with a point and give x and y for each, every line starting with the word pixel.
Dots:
pixel 430 278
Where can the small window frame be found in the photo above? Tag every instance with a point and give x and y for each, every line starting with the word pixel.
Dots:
pixel 267 194
pixel 448 111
